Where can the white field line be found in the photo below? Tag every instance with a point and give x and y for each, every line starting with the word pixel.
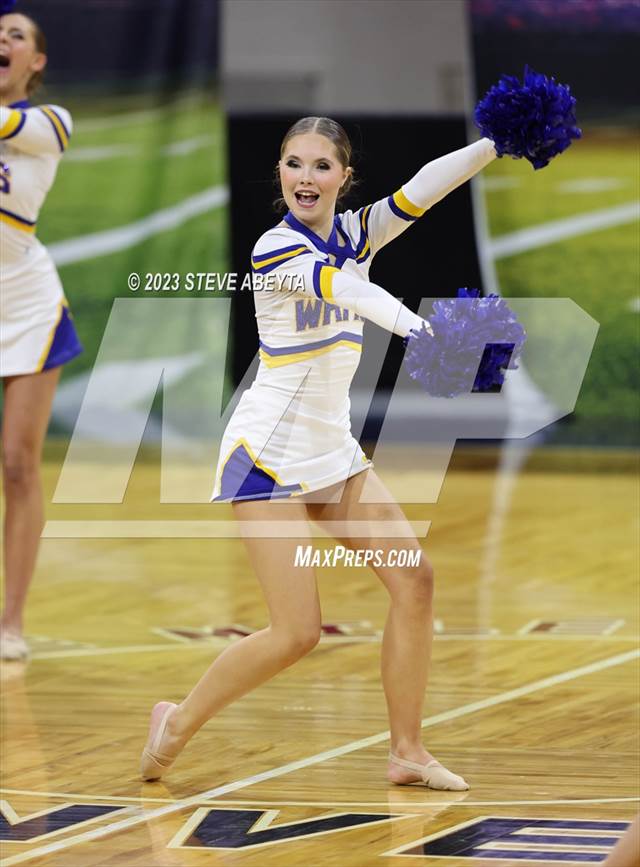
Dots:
pixel 634 304
pixel 97 124
pixel 100 152
pixel 185 146
pixel 179 148
pixel 194 800
pixel 558 230
pixel 113 240
pixel 90 797
pixel 112 121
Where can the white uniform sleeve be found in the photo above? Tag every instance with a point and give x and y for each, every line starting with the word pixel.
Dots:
pixel 44 130
pixel 386 219
pixel 295 267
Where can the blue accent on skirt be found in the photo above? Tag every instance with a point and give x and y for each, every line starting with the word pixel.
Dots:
pixel 243 480
pixel 65 344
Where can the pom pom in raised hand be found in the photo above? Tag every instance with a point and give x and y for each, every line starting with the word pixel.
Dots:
pixel 467 331
pixel 535 120
pixel 6 6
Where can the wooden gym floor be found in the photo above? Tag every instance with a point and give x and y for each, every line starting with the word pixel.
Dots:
pixel 533 693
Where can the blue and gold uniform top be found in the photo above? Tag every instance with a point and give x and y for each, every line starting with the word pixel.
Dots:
pixel 298 317
pixel 32 140
pixel 291 430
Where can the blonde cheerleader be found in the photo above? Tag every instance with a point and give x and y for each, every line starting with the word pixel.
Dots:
pixel 290 439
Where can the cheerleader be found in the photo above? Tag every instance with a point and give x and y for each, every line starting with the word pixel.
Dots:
pixel 289 439
pixel 37 334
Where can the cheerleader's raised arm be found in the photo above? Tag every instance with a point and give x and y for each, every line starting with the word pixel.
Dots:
pixel 389 217
pixel 441 176
pixel 302 268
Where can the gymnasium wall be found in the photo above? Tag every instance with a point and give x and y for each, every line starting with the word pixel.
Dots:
pixel 353 57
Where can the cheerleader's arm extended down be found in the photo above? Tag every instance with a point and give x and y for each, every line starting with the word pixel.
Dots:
pixel 43 131
pixel 305 273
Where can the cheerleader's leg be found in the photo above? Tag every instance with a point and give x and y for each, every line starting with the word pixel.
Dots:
pixel 626 852
pixel 26 412
pixel 294 629
pixel 408 632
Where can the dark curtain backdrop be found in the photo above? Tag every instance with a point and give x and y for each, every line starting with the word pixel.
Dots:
pixel 96 42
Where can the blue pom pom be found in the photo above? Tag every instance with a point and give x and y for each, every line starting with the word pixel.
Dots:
pixel 465 329
pixel 534 120
pixel 6 6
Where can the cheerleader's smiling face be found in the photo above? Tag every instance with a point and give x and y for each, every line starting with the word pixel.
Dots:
pixel 311 176
pixel 19 56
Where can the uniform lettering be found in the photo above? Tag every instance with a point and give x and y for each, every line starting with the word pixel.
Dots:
pixel 308 314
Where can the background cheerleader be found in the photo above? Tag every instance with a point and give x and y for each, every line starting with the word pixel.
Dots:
pixel 36 331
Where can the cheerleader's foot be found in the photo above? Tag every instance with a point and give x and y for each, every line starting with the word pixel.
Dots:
pixel 12 645
pixel 162 747
pixel 403 772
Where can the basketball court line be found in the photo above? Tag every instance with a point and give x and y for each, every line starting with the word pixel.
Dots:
pixel 346 639
pixel 89 798
pixel 195 800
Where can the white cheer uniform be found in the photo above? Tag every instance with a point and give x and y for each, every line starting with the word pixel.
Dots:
pixel 291 431
pixel 36 329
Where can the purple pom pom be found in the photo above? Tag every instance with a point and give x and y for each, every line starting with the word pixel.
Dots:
pixel 6 6
pixel 535 120
pixel 466 329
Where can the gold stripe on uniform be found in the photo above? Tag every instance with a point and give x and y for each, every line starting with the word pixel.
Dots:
pixel 53 117
pixel 327 273
pixel 16 224
pixel 279 258
pixel 363 222
pixel 12 123
pixel 407 206
pixel 281 360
